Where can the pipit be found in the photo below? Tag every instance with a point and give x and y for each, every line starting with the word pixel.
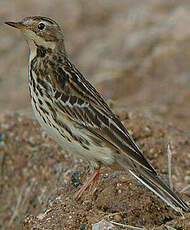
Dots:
pixel 76 116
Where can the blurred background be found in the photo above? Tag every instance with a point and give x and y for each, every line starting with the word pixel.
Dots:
pixel 136 53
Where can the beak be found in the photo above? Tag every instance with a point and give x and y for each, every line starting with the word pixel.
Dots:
pixel 18 25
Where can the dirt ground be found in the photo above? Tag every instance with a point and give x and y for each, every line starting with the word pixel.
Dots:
pixel 137 54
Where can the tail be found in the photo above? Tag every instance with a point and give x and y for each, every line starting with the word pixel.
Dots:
pixel 156 185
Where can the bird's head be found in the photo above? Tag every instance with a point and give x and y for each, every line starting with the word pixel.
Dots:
pixel 40 32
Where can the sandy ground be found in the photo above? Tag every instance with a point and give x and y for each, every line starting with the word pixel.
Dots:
pixel 141 48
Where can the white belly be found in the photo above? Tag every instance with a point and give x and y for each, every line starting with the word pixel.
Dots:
pixel 91 152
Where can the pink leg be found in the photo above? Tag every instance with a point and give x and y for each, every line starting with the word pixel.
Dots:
pixel 91 181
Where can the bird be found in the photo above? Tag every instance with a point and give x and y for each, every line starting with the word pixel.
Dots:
pixel 77 117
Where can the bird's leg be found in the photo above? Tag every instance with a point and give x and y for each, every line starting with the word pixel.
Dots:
pixel 91 181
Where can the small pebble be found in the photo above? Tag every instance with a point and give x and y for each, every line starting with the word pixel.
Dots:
pixel 103 225
pixel 83 226
pixel 75 179
pixel 1 138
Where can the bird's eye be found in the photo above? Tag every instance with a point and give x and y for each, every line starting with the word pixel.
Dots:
pixel 41 26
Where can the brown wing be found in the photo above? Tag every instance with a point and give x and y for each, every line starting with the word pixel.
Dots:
pixel 79 100
pixel 101 123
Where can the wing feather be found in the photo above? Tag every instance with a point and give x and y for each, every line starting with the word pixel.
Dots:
pixel 102 124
